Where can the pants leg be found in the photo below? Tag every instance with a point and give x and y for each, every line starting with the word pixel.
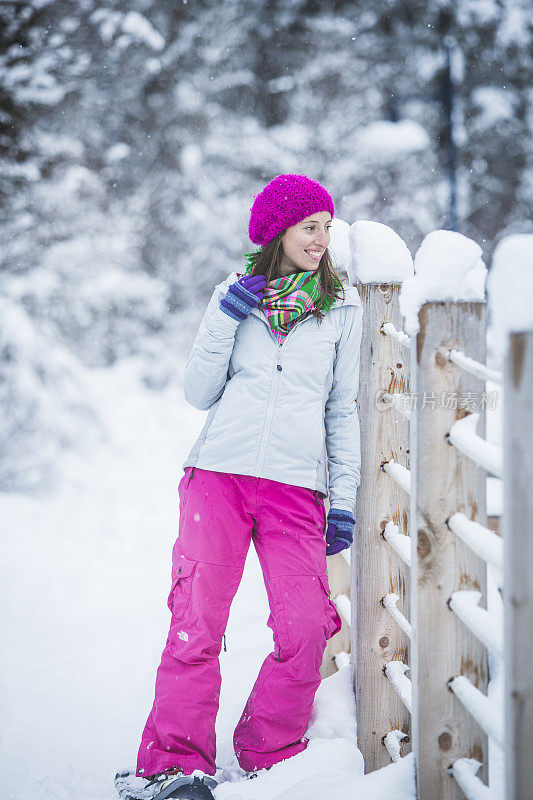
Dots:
pixel 208 558
pixel 291 548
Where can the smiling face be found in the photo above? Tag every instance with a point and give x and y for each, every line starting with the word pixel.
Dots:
pixel 304 244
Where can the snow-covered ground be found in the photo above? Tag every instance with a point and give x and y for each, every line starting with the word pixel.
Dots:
pixel 86 575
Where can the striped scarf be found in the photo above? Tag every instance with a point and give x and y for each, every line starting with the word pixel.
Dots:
pixel 287 299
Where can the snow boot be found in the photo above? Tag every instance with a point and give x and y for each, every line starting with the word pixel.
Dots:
pixel 187 787
pixel 162 786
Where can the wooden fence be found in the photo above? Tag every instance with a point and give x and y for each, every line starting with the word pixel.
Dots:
pixel 422 546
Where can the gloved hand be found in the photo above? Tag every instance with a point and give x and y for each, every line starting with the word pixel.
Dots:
pixel 242 296
pixel 339 533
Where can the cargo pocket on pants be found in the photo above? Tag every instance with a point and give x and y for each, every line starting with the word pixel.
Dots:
pixel 178 602
pixel 334 621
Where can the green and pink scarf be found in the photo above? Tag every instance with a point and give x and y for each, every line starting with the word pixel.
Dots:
pixel 287 299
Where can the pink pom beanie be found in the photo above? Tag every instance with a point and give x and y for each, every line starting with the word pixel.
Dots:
pixel 286 200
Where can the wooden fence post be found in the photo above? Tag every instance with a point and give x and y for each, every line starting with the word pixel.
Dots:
pixel 518 574
pixel 442 482
pixel 376 569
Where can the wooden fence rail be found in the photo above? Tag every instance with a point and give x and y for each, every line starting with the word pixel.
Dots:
pixel 445 481
pixel 518 570
pixel 422 634
pixel 422 545
pixel 377 570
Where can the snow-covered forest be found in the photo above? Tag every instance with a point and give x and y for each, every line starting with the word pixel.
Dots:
pixel 133 138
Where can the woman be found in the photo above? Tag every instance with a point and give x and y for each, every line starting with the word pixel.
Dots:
pixel 276 363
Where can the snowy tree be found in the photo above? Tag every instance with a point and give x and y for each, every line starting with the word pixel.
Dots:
pixel 134 136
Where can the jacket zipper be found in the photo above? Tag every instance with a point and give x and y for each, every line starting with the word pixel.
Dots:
pixel 269 414
pixel 271 398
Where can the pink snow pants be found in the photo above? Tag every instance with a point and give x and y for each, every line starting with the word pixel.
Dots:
pixel 220 513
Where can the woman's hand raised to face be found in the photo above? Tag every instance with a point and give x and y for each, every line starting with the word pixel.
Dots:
pixel 254 284
pixel 243 295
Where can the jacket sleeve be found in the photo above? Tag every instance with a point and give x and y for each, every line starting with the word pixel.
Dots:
pixel 343 444
pixel 206 369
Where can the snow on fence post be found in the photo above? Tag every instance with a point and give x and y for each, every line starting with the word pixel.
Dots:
pixel 443 482
pixel 377 570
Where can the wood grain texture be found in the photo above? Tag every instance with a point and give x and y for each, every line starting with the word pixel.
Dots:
pixel 376 569
pixel 444 481
pixel 518 566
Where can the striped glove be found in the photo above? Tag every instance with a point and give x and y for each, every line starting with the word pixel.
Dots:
pixel 339 533
pixel 242 296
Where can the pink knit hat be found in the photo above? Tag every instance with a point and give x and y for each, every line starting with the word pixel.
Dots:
pixel 286 200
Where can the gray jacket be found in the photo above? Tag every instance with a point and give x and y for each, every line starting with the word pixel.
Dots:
pixel 278 411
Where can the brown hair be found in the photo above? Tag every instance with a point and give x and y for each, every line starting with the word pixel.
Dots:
pixel 267 261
